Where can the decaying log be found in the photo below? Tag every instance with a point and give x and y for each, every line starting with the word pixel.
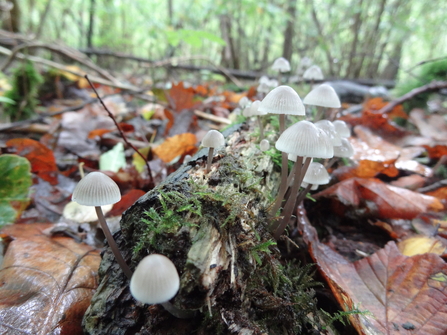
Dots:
pixel 213 227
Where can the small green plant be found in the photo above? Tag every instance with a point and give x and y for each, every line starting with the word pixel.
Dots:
pixel 342 316
pixel 263 247
pixel 23 94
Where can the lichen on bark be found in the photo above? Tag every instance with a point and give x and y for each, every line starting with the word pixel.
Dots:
pixel 214 228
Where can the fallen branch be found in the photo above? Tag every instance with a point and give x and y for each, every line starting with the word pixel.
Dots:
pixel 63 68
pixel 65 51
pixel 433 86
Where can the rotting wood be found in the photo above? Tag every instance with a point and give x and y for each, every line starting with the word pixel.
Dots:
pixel 215 232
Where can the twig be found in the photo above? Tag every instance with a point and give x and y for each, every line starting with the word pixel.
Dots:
pixel 121 131
pixel 63 68
pixel 212 117
pixel 433 86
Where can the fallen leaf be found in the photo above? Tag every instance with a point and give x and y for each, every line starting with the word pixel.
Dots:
pixel 80 213
pixel 376 198
pixel 367 169
pixel 404 295
pixel 181 98
pixel 41 158
pixel 419 245
pixel 436 151
pixel 411 182
pixel 126 201
pixel 16 180
pixel 432 126
pixel 175 146
pixel 47 282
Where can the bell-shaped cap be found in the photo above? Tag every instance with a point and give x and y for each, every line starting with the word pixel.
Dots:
pixel 316 174
pixel 344 150
pixel 244 102
pixel 323 95
pixel 254 108
pixel 342 128
pixel 329 128
pixel 155 280
pixel 213 139
pixel 313 187
pixel 281 64
pixel 96 189
pixel 313 73
pixel 282 100
pixel 304 139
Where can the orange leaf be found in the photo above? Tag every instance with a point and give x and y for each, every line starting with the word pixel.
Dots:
pixel 175 146
pixel 41 158
pixel 47 282
pixel 98 133
pixel 126 201
pixel 367 169
pixel 380 199
pixel 405 295
pixel 181 98
pixel 437 151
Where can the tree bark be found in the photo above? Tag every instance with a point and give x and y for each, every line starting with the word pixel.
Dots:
pixel 213 227
pixel 289 33
pixel 91 24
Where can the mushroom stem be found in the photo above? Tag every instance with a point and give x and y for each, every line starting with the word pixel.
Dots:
pixel 261 129
pixel 177 312
pixel 116 251
pixel 210 159
pixel 303 194
pixel 299 171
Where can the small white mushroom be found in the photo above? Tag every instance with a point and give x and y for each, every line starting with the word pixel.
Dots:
pixel 213 139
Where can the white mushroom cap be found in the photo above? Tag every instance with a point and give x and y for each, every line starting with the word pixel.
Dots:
pixel 313 73
pixel 342 128
pixel 313 187
pixel 329 128
pixel 316 174
pixel 304 139
pixel 281 64
pixel 213 139
pixel 323 95
pixel 254 109
pixel 282 100
pixel 96 189
pixel 244 102
pixel 345 149
pixel 264 145
pixel 155 280
pixel 264 80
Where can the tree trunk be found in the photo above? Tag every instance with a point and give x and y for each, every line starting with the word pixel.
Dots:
pixel 289 33
pixel 213 227
pixel 91 24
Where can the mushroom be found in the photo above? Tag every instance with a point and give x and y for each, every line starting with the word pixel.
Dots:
pixel 330 130
pixel 281 65
pixel 324 96
pixel 342 128
pixel 253 110
pixel 97 189
pixel 316 175
pixel 304 140
pixel 156 281
pixel 213 139
pixel 313 73
pixel 282 100
pixel 264 145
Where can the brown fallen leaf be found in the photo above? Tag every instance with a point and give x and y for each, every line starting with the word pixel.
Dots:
pixel 418 245
pixel 177 145
pixel 46 282
pixel 405 295
pixel 380 199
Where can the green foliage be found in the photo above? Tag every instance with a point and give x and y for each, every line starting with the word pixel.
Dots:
pixel 342 316
pixel 191 37
pixel 16 180
pixel 25 85
pixel 262 247
pixel 427 73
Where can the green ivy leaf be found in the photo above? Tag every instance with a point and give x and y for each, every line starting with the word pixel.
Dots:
pixel 15 177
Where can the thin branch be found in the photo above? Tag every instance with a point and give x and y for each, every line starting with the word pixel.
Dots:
pixel 121 131
pixel 433 86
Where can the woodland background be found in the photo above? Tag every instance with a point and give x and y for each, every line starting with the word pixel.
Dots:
pixel 347 39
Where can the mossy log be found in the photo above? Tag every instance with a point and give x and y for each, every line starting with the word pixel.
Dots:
pixel 214 228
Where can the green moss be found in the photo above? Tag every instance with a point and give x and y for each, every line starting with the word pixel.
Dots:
pixel 25 85
pixel 427 73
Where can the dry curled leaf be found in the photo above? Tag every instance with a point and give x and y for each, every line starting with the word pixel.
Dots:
pixel 379 199
pixel 47 282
